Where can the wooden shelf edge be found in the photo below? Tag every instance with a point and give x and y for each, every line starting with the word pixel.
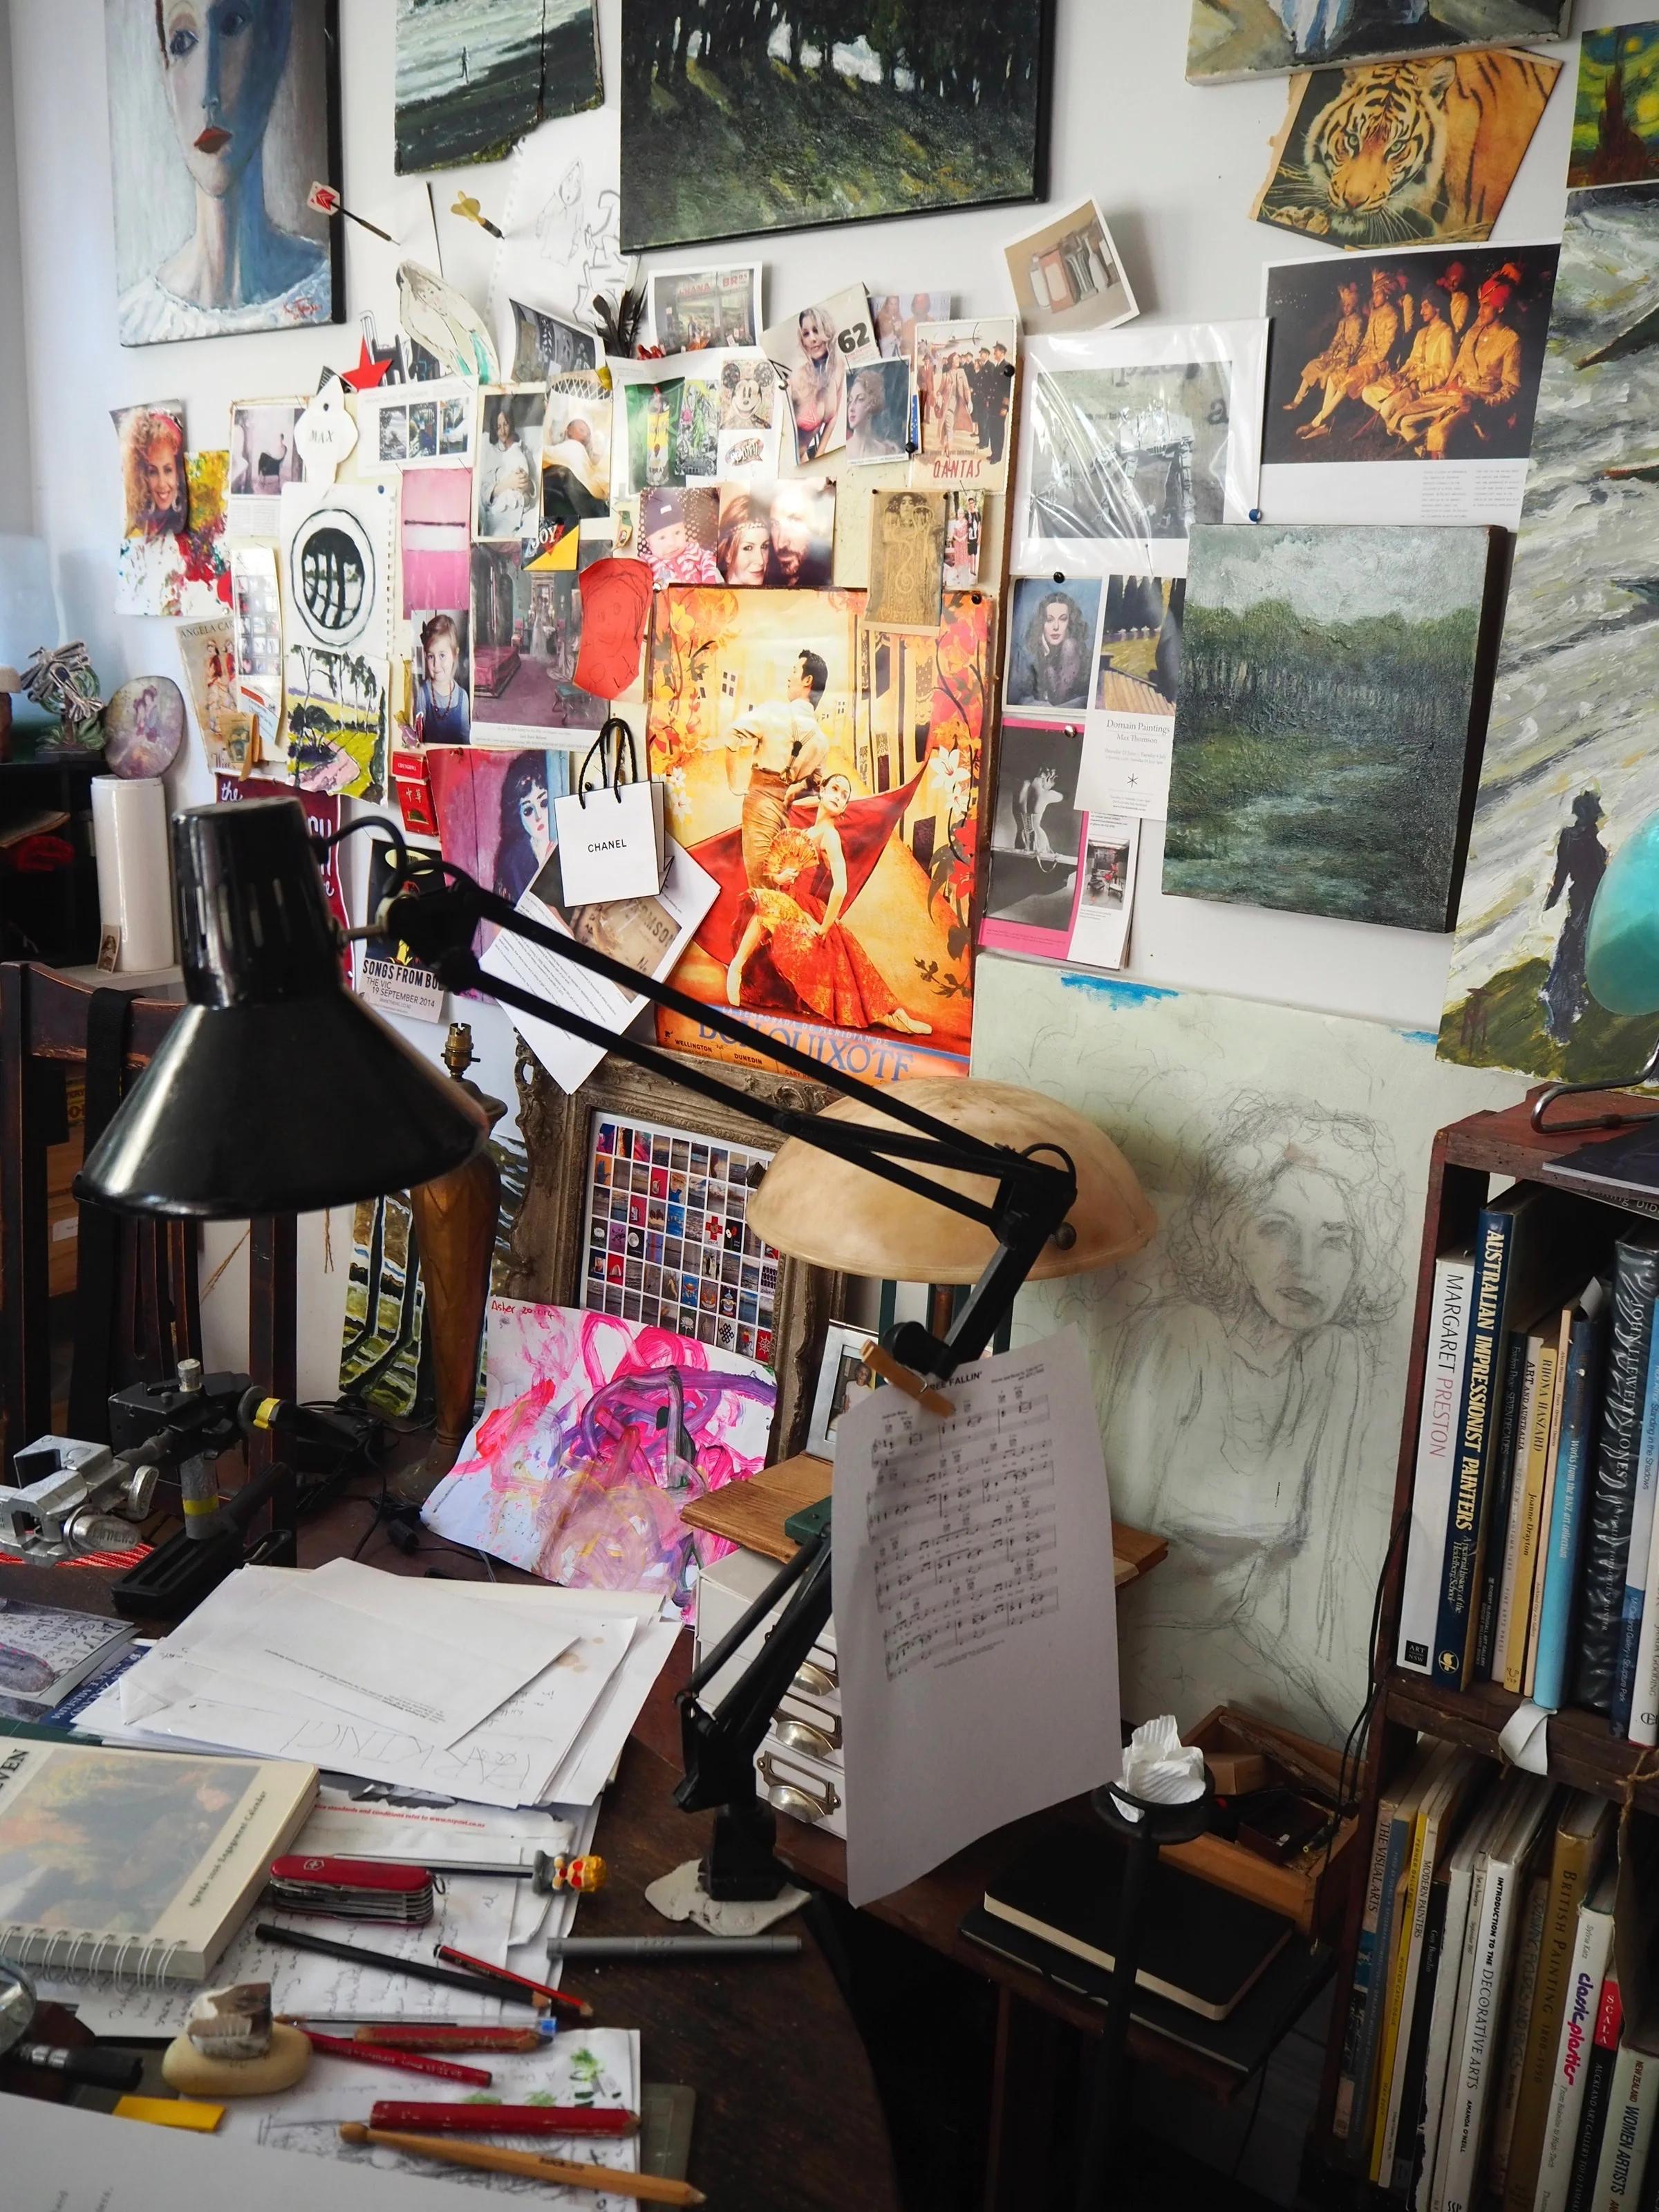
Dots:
pixel 1583 1751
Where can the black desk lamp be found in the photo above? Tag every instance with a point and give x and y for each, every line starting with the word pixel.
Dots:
pixel 277 1092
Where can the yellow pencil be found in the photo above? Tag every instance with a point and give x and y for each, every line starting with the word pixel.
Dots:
pixel 556 2171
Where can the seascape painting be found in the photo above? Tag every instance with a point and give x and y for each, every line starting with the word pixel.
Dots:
pixel 1571 768
pixel 1615 124
pixel 1249 1365
pixel 1329 689
pixel 1400 152
pixel 740 119
pixel 474 77
pixel 221 121
pixel 1231 39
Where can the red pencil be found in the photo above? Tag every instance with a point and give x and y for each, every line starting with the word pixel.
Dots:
pixel 505 2119
pixel 410 2062
pixel 577 2007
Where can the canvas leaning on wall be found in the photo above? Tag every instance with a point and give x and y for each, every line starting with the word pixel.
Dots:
pixel 203 141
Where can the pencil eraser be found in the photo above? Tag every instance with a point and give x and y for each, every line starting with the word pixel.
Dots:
pixel 172 2113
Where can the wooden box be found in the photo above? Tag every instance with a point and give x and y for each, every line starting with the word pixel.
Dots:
pixel 1310 1889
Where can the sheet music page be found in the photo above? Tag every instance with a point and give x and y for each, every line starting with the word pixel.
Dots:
pixel 975 1615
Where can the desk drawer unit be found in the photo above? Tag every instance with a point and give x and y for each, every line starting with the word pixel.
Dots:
pixel 801 1763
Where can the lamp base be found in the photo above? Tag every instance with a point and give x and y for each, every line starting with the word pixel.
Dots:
pixel 739 1867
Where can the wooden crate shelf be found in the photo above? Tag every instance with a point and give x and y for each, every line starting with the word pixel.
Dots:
pixel 1584 1753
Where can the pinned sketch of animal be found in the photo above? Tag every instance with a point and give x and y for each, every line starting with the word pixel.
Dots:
pixel 747 390
pixel 1401 151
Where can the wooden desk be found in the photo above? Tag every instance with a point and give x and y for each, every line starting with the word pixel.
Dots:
pixel 787 2111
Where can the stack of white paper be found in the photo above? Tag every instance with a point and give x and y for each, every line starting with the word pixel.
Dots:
pixel 412 1684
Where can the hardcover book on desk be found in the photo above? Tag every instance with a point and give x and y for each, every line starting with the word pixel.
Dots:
pixel 143 1863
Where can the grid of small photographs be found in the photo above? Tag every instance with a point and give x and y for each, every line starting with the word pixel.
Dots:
pixel 668 1239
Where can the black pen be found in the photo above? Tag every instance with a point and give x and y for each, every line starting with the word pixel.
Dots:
pixel 293 1939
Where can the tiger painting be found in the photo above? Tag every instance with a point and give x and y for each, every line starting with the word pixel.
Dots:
pixel 1402 151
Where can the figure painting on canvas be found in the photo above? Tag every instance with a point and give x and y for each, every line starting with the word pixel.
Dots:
pixel 221 119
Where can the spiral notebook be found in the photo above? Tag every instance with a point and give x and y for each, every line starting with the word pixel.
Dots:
pixel 137 1865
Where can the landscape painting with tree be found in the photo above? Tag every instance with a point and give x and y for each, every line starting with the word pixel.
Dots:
pixel 1330 686
pixel 474 77
pixel 1615 124
pixel 739 118
pixel 1570 769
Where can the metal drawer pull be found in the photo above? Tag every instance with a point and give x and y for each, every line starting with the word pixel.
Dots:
pixel 791 1796
pixel 802 1735
pixel 814 1680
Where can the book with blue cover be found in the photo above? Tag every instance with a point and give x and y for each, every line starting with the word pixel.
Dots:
pixel 1586 1353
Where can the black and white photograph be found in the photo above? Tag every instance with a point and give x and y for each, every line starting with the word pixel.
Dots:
pixel 263 453
pixel 1037 831
pixel 548 346
pixel 1051 643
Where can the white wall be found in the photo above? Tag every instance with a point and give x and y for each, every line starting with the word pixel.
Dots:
pixel 16 507
pixel 1175 168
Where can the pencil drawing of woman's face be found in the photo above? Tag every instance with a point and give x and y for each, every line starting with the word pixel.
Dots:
pixel 224 60
pixel 1295 1249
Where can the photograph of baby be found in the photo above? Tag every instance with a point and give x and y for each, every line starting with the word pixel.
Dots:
pixel 677 534
pixel 780 535
pixel 1051 644
pixel 443 707
pixel 1037 831
pixel 815 353
pixel 576 451
pixel 263 456
pixel 509 461
pixel 879 411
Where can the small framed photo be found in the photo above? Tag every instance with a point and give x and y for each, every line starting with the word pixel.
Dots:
pixel 842 1377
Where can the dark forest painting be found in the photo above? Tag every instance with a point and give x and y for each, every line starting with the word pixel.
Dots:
pixel 749 115
pixel 1330 687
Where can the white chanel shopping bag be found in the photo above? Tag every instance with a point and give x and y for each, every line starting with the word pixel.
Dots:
pixel 612 844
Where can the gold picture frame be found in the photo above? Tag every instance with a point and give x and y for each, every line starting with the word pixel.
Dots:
pixel 546 1251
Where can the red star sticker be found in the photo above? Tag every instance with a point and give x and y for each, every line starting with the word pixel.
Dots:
pixel 368 372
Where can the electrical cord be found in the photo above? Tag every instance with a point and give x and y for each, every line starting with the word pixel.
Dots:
pixel 1249 2125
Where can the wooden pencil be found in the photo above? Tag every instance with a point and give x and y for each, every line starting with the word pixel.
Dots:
pixel 563 2173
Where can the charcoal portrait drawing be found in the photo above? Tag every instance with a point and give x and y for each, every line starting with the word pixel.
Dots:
pixel 1249 1365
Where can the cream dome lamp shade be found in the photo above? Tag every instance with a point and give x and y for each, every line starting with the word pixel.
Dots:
pixel 833 1214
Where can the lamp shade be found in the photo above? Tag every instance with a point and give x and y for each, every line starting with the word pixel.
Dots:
pixel 276 1090
pixel 833 1213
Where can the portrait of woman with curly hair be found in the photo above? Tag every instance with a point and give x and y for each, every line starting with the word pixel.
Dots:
pixel 153 473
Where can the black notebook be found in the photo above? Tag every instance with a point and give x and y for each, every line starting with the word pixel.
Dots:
pixel 1201 1947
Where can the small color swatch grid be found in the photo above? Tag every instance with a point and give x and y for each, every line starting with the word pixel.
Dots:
pixel 668 1239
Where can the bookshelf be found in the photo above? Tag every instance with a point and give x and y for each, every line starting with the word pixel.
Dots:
pixel 1471 1161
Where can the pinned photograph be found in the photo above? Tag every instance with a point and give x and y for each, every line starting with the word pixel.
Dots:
pixel 442 667
pixel 1051 644
pixel 576 450
pixel 697 438
pixel 802 120
pixel 204 149
pixel 264 455
pixel 896 315
pixel 965 397
pixel 257 608
pixel 208 650
pixel 907 561
pixel 1067 275
pixel 548 346
pixel 509 461
pixel 879 411
pixel 1140 667
pixel 964 525
pixel 815 353
pixel 1129 439
pixel 1394 362
pixel 1036 835
pixel 474 77
pixel 181 572
pixel 1234 39
pixel 1399 152
pixel 653 415
pixel 154 478
pixel 526 633
pixel 780 535
pixel 677 528
pixel 389 975
pixel 693 308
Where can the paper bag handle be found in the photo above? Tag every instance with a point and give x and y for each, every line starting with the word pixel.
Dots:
pixel 611 775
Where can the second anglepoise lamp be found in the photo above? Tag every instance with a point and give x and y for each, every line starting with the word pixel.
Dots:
pixel 277 1091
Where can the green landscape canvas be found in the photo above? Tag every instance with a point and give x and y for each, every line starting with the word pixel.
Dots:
pixel 1331 684
pixel 738 119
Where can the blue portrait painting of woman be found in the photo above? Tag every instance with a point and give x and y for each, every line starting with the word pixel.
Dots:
pixel 223 115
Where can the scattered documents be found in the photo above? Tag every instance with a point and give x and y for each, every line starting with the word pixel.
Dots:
pixel 975 1615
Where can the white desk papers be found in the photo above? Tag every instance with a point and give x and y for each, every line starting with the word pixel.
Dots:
pixel 974 1607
